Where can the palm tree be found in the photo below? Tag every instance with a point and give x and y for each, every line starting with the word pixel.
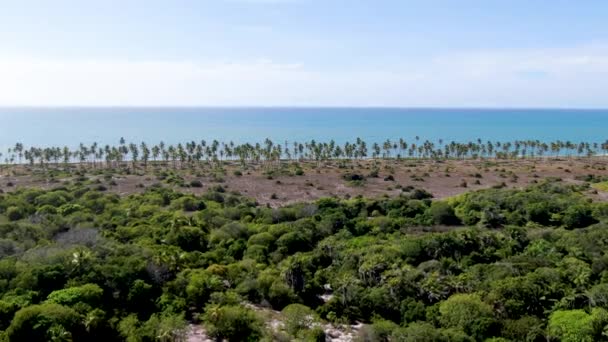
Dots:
pixel 19 150
pixel 171 153
pixel 93 152
pixel 386 146
pixel 155 152
pixel 145 154
pixel 134 154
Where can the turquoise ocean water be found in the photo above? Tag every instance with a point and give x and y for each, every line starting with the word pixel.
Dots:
pixel 70 126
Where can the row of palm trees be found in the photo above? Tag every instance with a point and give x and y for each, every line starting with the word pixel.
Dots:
pixel 270 153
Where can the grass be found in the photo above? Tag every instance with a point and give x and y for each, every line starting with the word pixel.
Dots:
pixel 602 186
pixel 356 183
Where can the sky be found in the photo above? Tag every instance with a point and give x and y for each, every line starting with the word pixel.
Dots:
pixel 396 53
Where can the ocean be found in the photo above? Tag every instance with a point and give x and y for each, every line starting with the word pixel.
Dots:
pixel 44 127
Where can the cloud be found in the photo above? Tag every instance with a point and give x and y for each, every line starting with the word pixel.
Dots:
pixel 567 77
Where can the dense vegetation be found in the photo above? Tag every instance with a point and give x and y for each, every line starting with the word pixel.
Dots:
pixel 194 153
pixel 78 263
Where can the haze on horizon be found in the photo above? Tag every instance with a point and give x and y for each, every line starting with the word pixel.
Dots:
pixel 470 53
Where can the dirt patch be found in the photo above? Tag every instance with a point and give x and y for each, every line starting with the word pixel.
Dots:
pixel 382 177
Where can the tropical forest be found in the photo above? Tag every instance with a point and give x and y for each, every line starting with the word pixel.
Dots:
pixel 197 242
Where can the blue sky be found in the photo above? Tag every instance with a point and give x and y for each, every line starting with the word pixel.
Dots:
pixel 466 53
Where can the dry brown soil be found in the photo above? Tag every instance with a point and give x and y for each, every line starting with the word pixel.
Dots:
pixel 442 179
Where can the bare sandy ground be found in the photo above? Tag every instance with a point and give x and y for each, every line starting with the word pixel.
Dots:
pixel 442 179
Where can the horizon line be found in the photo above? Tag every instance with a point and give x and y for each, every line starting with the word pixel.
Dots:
pixel 299 107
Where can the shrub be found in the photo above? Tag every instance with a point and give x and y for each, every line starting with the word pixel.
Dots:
pixel 298 318
pixel 46 322
pixel 188 203
pixel 232 322
pixel 217 188
pixel 14 213
pixel 351 177
pixel 54 199
pixel 418 331
pixel 380 330
pixel 419 194
pixel 578 216
pixel 69 208
pixel 468 312
pixel 443 213
pixel 575 325
pixel 527 328
pixel 214 196
pixel 499 186
pixel 598 295
pixel 188 238
pixel 316 334
pixel 88 294
pixel 200 287
pixel 195 183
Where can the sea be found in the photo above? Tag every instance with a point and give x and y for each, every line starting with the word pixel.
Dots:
pixel 45 127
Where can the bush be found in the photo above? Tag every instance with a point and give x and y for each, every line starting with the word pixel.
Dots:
pixel 160 327
pixel 100 187
pixel 419 194
pixel 527 328
pixel 217 188
pixel 188 203
pixel 418 332
pixel 214 196
pixel 262 239
pixel 46 322
pixel 7 312
pixel 316 334
pixel 598 295
pixel 200 287
pixel 232 322
pixel 69 208
pixel 353 177
pixel 14 213
pixel 298 318
pixel 574 325
pixel 55 199
pixel 88 294
pixel 380 330
pixel 443 213
pixel 540 212
pixel 501 185
pixel 578 216
pixel 188 238
pixel 467 312
pixel 195 183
